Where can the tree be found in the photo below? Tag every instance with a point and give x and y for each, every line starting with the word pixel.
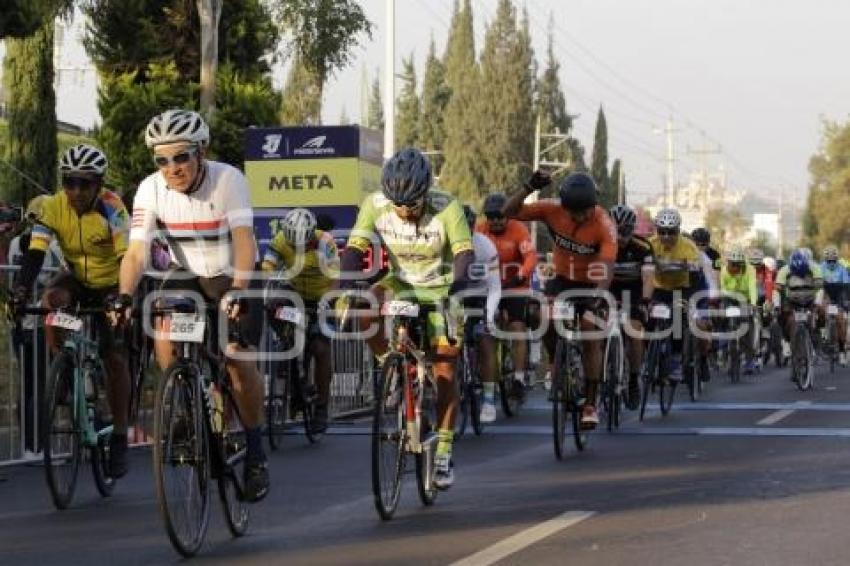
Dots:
pixel 375 119
pixel 22 18
pixel 30 154
pixel 323 33
pixel 616 171
pixel 599 159
pixel 407 108
pixel 302 104
pixel 461 171
pixel 435 97
pixel 828 204
pixel 505 107
pixel 725 225
pixel 209 12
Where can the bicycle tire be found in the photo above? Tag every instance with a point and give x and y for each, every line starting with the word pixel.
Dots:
pixel 559 402
pixel 99 454
pixel 800 361
pixel 612 378
pixel 463 407
pixel 427 493
pixel 734 361
pixel 776 344
pixel 690 373
pixel 388 429
pixel 61 410
pixel 666 395
pixel 475 392
pixel 308 395
pixel 233 447
pixel 277 401
pixel 507 387
pixel 832 349
pixel 650 365
pixel 180 438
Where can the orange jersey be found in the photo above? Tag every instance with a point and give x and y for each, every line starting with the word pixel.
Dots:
pixel 517 255
pixel 582 252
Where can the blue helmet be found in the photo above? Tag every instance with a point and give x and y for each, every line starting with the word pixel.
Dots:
pixel 798 264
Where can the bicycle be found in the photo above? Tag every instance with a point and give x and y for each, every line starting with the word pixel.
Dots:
pixel 468 379
pixel 614 370
pixel 291 383
pixel 655 372
pixel 802 348
pixel 567 392
pixel 829 344
pixel 405 410
pixel 198 432
pixel 735 315
pixel 76 410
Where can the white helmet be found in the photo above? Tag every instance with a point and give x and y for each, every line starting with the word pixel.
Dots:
pixel 299 226
pixel 770 263
pixel 736 255
pixel 668 218
pixel 83 158
pixel 177 126
pixel 756 256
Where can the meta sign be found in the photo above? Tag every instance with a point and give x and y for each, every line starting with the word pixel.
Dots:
pixel 327 169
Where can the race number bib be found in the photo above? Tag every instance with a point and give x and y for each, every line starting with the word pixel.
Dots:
pixel 64 320
pixel 400 308
pixel 186 327
pixel 289 314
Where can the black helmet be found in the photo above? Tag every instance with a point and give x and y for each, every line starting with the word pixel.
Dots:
pixel 494 203
pixel 701 236
pixel 406 176
pixel 623 215
pixel 470 215
pixel 578 192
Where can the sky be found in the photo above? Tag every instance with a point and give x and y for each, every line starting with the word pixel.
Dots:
pixel 756 77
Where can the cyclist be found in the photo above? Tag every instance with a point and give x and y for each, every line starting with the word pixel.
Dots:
pixel 517 261
pixel 203 209
pixel 420 228
pixel 90 225
pixel 702 238
pixel 737 276
pixel 632 286
pixel 798 283
pixel 585 248
pixel 485 278
pixel 835 281
pixel 670 247
pixel 312 253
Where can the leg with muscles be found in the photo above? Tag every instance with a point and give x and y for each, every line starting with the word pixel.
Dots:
pixel 519 347
pixel 487 364
pixel 592 364
pixel 444 370
pixel 320 348
pixel 634 344
pixel 248 394
pixel 118 393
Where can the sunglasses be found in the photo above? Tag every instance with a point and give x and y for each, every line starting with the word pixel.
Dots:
pixel 78 183
pixel 410 206
pixel 494 216
pixel 180 159
pixel 668 232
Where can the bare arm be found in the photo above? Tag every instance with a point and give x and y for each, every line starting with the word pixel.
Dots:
pixel 244 254
pixel 511 208
pixel 132 267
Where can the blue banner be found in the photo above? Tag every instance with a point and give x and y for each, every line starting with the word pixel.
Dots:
pixel 309 142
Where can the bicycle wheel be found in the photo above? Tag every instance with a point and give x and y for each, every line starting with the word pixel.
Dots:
pixel 309 397
pixel 734 361
pixel 277 400
pixel 611 378
pixel 831 343
pixel 181 458
pixel 559 399
pixel 690 375
pixel 575 393
pixel 388 436
pixel 424 476
pixel 801 358
pixel 463 407
pixel 648 374
pixel 232 447
pixel 508 393
pixel 474 391
pixel 99 454
pixel 776 344
pixel 61 431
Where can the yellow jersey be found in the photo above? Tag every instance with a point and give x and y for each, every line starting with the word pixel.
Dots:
pixel 92 243
pixel 684 250
pixel 312 274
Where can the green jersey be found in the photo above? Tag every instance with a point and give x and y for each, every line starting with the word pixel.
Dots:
pixel 421 252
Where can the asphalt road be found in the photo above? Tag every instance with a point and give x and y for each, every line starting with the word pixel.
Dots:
pixel 755 473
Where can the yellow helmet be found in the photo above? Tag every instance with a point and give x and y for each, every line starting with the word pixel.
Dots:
pixel 34 208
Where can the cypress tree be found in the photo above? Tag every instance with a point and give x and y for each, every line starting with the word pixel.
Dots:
pixel 616 170
pixel 435 97
pixel 599 159
pixel 375 119
pixel 407 108
pixel 461 173
pixel 31 108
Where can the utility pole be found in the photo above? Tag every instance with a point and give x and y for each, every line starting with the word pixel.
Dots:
pixel 544 146
pixel 389 83
pixel 671 188
pixel 702 154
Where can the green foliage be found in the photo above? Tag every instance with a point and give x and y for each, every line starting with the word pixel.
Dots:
pixel 828 207
pixel 323 32
pixel 301 101
pixel 407 108
pixel 725 226
pixel 30 152
pixel 615 183
pixel 241 102
pixel 461 171
pixel 129 35
pixel 505 107
pixel 435 97
pixel 126 105
pixel 375 119
pixel 22 18
pixel 599 158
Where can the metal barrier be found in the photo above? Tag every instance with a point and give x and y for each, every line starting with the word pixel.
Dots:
pixel 25 360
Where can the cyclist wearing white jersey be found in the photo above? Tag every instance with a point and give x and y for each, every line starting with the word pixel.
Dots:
pixel 203 209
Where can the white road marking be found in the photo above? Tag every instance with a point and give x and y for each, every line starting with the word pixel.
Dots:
pixel 774 418
pixel 523 539
pixel 546 430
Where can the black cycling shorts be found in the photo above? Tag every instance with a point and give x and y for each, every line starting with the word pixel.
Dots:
pixel 88 297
